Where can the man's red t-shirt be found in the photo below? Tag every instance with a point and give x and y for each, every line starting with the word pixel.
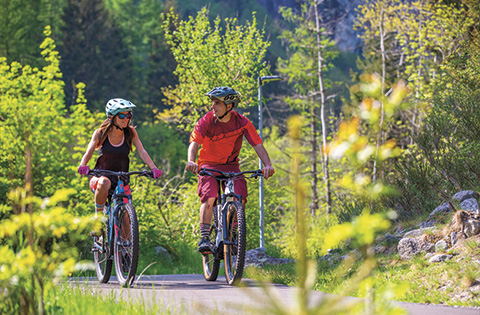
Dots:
pixel 221 142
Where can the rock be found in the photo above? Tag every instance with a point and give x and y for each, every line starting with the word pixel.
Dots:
pixel 470 205
pixel 409 247
pixel 471 227
pixel 417 232
pixel 444 208
pixel 429 255
pixel 427 224
pixel 440 246
pixel 453 238
pixel 440 258
pixel 464 195
pixel 257 257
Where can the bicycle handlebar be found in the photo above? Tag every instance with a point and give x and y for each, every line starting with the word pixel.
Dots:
pixel 120 174
pixel 207 171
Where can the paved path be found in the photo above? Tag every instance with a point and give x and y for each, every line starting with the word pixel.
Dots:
pixel 191 294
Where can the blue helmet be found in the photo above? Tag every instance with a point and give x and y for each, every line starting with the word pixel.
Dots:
pixel 225 94
pixel 118 105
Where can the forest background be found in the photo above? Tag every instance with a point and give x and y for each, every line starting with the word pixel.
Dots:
pixel 63 59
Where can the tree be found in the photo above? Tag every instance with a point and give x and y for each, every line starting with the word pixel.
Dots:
pixel 312 52
pixel 408 40
pixel 152 62
pixel 36 136
pixel 22 24
pixel 209 56
pixel 93 52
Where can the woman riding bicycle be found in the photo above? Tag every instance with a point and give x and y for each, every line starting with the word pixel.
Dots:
pixel 220 134
pixel 114 139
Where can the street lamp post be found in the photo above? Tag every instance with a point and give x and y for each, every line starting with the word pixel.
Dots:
pixel 261 80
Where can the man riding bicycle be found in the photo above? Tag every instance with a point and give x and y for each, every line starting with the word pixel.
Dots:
pixel 220 134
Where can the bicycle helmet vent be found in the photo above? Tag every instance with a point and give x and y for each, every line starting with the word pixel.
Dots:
pixel 225 94
pixel 118 105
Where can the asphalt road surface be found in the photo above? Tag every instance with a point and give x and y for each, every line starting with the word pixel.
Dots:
pixel 191 294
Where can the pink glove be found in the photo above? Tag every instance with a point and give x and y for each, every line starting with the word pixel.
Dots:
pixel 83 169
pixel 156 173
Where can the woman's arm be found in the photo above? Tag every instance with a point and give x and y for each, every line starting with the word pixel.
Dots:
pixel 90 149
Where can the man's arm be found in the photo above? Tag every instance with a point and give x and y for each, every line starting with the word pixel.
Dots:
pixel 192 166
pixel 268 169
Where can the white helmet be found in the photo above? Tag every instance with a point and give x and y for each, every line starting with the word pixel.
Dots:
pixel 118 105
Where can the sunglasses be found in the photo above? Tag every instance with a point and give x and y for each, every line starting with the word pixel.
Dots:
pixel 122 116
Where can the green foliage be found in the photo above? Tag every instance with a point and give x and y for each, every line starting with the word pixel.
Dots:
pixel 36 248
pixel 166 146
pixel 301 67
pixel 94 52
pixel 446 149
pixel 208 56
pixel 152 62
pixel 22 24
pixel 33 119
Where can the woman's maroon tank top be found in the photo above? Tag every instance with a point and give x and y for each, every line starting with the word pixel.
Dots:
pixel 113 159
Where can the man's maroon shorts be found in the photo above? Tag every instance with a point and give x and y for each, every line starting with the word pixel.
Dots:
pixel 208 186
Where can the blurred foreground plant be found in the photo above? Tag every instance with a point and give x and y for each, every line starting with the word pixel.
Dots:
pixel 36 248
pixel 349 143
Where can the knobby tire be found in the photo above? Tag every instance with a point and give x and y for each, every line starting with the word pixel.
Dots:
pixel 211 262
pixel 126 246
pixel 235 244
pixel 103 263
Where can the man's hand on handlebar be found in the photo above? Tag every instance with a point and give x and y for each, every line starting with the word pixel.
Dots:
pixel 268 171
pixel 192 167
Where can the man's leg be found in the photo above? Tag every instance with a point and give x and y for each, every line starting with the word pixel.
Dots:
pixel 206 214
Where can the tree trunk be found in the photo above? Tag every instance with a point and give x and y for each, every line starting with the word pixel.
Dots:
pixel 326 177
pixel 314 160
pixel 382 113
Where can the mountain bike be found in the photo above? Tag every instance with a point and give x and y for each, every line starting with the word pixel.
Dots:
pixel 119 239
pixel 228 232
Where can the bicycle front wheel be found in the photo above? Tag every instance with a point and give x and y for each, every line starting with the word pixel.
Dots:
pixel 126 245
pixel 211 262
pixel 235 244
pixel 103 263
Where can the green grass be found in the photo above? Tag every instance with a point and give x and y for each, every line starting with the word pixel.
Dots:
pixel 415 281
pixel 66 300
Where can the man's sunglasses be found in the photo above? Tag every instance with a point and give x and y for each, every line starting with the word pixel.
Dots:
pixel 122 116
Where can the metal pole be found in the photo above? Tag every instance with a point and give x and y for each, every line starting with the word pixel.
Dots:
pixel 260 166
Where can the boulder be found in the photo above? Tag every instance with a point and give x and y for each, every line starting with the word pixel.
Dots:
pixel 470 205
pixel 409 247
pixel 464 195
pixel 440 258
pixel 471 227
pixel 418 232
pixel 440 210
pixel 441 246
pixel 258 258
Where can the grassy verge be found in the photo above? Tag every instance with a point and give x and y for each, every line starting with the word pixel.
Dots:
pixel 66 300
pixel 455 282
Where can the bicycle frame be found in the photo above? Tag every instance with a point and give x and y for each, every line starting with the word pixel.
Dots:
pixel 117 199
pixel 225 199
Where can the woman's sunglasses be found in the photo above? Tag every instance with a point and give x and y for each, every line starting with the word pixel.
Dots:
pixel 122 116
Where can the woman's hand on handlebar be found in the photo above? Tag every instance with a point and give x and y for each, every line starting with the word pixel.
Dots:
pixel 192 167
pixel 268 171
pixel 83 169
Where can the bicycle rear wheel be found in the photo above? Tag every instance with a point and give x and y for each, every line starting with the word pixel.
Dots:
pixel 126 245
pixel 235 244
pixel 211 262
pixel 103 263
